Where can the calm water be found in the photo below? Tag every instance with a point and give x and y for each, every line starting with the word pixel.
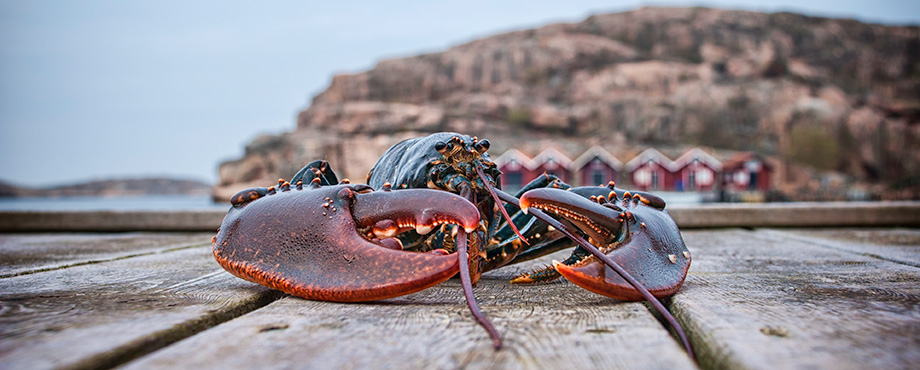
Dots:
pixel 132 203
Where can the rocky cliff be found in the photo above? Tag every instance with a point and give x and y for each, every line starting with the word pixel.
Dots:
pixel 824 94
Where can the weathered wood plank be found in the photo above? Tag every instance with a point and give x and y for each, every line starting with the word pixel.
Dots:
pixel 896 245
pixel 903 213
pixel 102 314
pixel 759 300
pixel 30 253
pixel 803 214
pixel 110 221
pixel 556 325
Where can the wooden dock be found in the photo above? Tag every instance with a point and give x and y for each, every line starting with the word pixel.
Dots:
pixel 138 290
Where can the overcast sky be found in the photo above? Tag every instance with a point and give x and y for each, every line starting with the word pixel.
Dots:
pixel 112 89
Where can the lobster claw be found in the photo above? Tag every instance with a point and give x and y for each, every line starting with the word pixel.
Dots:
pixel 634 231
pixel 312 241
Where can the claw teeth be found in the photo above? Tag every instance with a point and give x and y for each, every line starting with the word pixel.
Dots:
pixel 388 233
pixel 423 229
pixel 469 229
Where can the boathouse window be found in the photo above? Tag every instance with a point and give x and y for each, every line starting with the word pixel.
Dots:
pixel 597 177
pixel 513 181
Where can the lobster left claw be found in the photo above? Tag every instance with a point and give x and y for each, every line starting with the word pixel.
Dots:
pixel 334 243
pixel 633 230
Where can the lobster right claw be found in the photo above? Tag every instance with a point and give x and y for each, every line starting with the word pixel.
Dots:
pixel 634 231
pixel 335 243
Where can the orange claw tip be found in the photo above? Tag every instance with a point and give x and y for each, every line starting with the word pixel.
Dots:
pixel 659 275
pixel 523 279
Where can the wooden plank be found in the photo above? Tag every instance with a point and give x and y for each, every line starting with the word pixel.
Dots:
pixel 760 300
pixel 103 314
pixel 555 325
pixel 802 214
pixel 839 214
pixel 30 253
pixel 896 245
pixel 110 221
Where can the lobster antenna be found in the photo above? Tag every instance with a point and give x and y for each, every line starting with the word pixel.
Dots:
pixel 467 283
pixel 498 201
pixel 678 330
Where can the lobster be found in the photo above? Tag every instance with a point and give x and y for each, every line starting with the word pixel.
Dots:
pixel 432 209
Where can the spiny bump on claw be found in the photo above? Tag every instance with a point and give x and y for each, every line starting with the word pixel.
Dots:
pixel 285 186
pixel 611 185
pixel 315 183
pixel 612 195
pixel 271 190
pixel 299 185
pixel 387 186
pixel 601 199
pixel 626 196
pixel 345 181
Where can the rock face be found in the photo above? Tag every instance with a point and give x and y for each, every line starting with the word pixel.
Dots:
pixel 846 91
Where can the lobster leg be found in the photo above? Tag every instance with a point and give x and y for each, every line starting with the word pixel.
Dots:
pixel 467 282
pixel 534 238
pixel 318 168
pixel 678 330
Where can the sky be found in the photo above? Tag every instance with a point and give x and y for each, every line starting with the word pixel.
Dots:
pixel 93 90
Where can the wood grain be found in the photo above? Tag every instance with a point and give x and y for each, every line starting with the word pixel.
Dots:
pixel 765 298
pixel 556 325
pixel 101 314
pixel 895 245
pixel 798 214
pixel 757 299
pixel 30 253
pixel 110 221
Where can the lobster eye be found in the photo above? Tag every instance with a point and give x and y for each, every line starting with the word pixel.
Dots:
pixel 440 146
pixel 483 145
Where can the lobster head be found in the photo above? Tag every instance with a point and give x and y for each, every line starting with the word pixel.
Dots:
pixel 336 243
pixel 633 230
